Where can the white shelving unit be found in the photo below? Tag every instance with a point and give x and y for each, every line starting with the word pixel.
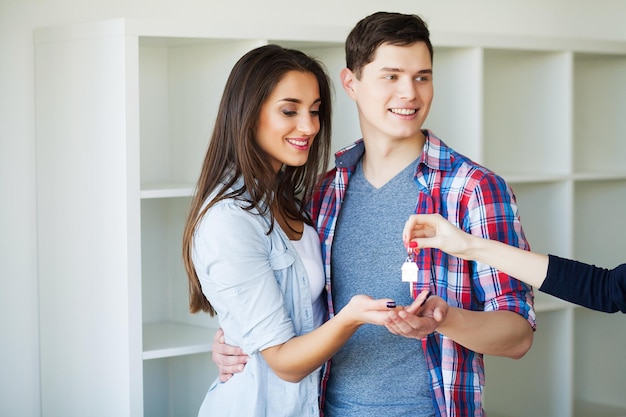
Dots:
pixel 124 112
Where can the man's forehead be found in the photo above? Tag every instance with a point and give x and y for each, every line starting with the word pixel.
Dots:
pixel 397 57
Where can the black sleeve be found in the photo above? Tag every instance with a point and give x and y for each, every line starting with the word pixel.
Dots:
pixel 586 285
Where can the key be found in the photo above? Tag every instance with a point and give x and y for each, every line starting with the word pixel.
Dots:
pixel 409 268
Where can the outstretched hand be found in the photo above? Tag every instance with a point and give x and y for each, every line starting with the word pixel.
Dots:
pixel 420 319
pixel 363 309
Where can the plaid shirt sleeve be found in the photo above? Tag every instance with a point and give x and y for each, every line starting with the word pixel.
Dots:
pixel 481 203
pixel 492 213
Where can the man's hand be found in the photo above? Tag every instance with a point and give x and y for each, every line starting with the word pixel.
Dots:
pixel 229 359
pixel 420 318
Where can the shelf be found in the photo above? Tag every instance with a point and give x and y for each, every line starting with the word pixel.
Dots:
pixel 599 362
pixel 600 176
pixel 546 221
pixel 534 178
pixel 163 340
pixel 167 190
pixel 545 114
pixel 545 303
pixel 524 134
pixel 599 124
pixel 542 375
pixel 598 219
pixel 454 95
pixel 585 409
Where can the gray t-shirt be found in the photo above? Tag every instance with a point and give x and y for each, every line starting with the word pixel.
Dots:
pixel 376 373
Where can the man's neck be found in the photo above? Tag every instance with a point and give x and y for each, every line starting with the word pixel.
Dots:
pixel 384 160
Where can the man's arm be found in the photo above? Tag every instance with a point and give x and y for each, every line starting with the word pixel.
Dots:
pixel 499 333
pixel 505 327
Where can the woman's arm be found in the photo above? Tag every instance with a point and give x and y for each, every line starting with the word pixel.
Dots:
pixel 301 355
pixel 433 231
pixel 233 259
pixel 587 285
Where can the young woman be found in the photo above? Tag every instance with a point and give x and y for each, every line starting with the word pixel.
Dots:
pixel 249 248
pixel 586 285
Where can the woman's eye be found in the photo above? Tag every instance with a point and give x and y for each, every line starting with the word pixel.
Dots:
pixel 289 113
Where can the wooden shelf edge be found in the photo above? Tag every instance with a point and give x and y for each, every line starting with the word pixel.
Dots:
pixel 170 339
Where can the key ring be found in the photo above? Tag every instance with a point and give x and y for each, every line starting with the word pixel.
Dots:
pixel 411 252
pixel 409 267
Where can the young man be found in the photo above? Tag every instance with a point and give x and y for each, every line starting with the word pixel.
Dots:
pixel 398 169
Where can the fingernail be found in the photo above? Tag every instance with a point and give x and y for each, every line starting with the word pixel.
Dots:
pixel 412 244
pixel 391 304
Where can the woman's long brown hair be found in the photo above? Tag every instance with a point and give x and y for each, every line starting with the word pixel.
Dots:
pixel 234 153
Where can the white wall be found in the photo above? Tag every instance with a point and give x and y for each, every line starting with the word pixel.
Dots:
pixel 19 373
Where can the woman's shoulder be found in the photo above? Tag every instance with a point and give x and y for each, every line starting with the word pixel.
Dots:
pixel 230 213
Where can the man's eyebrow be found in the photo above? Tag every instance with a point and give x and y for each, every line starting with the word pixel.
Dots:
pixel 393 69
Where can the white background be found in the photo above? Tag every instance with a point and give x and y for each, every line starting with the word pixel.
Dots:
pixel 19 364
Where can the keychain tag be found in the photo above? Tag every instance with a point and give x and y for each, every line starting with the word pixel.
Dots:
pixel 409 271
pixel 409 268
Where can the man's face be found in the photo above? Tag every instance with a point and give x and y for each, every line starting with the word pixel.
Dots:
pixel 394 93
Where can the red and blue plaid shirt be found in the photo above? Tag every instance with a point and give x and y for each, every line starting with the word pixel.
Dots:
pixel 479 202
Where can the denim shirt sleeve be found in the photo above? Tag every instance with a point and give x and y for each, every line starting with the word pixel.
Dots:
pixel 235 262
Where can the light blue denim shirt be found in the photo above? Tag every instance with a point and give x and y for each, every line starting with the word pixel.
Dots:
pixel 259 288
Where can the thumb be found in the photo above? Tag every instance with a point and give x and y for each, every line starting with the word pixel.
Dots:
pixel 426 242
pixel 419 301
pixel 438 315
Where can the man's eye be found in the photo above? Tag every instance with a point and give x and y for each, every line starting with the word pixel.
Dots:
pixel 390 77
pixel 421 78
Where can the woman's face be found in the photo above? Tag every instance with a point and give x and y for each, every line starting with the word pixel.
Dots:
pixel 289 120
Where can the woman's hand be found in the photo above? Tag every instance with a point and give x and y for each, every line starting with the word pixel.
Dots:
pixel 433 231
pixel 363 309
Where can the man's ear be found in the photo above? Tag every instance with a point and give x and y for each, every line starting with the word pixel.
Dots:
pixel 347 81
